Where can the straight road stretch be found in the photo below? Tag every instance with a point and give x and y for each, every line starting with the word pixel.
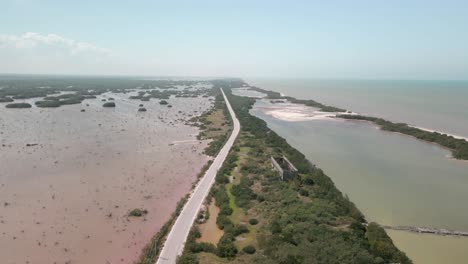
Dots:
pixel 177 237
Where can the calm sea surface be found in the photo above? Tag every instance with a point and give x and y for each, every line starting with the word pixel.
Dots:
pixel 394 179
pixel 440 105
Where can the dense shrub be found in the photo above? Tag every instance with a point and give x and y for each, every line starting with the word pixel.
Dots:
pixel 109 104
pixel 138 212
pixel 304 192
pixel 242 192
pixel 188 258
pixel 249 249
pixel 253 221
pixel 47 103
pixel 18 105
pixel 381 245
pixel 240 229
pixel 226 247
pixel 202 247
pixel 459 147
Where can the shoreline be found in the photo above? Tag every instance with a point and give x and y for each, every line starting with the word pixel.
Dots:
pixel 291 113
pixel 238 210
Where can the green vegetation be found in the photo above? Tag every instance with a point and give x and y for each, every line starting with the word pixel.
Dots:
pixel 138 212
pixel 163 102
pixel 381 245
pixel 253 221
pixel 47 103
pixel 214 125
pixel 59 91
pixel 141 109
pixel 109 104
pixel 459 147
pixel 18 105
pixel 249 249
pixel 304 220
pixel 63 99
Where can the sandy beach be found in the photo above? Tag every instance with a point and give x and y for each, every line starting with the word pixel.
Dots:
pixel 69 178
pixel 290 112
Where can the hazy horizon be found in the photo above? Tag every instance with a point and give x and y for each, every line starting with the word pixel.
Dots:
pixel 247 79
pixel 345 40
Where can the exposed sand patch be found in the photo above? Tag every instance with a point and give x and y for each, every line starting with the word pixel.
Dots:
pixel 290 112
pixel 67 198
pixel 245 91
pixel 210 232
pixel 431 130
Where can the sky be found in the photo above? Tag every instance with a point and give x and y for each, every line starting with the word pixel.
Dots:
pixel 373 39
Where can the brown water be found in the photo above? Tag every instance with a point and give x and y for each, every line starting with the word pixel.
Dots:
pixel 67 198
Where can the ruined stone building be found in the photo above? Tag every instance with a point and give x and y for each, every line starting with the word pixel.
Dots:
pixel 285 168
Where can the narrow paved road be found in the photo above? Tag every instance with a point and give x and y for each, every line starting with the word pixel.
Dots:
pixel 176 239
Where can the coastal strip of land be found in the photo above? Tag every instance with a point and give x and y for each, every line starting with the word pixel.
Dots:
pixel 458 146
pixel 264 219
pixel 428 230
pixel 175 241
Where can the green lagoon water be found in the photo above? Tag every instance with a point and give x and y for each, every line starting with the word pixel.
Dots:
pixel 393 179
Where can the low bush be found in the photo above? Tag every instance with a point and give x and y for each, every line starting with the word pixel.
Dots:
pixel 249 249
pixel 253 221
pixel 109 104
pixel 138 212
pixel 18 105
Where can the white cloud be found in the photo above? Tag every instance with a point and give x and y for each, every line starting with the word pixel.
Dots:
pixel 31 40
pixel 50 53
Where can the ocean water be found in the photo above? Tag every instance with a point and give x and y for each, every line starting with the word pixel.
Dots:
pixel 393 179
pixel 438 105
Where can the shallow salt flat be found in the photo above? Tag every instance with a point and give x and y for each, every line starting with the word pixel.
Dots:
pixel 66 199
pixel 245 91
pixel 292 112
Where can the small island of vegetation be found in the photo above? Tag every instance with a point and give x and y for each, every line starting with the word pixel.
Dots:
pixel 18 105
pixel 138 212
pixel 109 104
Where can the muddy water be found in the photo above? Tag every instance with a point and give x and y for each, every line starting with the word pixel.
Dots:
pixel 393 179
pixel 67 198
